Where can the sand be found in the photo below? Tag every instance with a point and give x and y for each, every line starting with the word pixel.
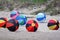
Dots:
pixel 43 33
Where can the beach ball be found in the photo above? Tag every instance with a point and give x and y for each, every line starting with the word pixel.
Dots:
pixel 31 26
pixel 41 17
pixel 12 25
pixel 53 24
pixel 21 19
pixel 3 22
pixel 14 14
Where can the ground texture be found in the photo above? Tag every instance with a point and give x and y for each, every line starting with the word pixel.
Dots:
pixel 43 33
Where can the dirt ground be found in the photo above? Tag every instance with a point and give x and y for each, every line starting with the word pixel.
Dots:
pixel 43 33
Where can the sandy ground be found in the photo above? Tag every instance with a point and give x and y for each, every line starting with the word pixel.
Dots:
pixel 43 33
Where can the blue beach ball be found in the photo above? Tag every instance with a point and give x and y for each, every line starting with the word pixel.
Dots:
pixel 21 19
pixel 41 17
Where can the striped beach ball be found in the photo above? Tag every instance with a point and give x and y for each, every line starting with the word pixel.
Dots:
pixel 12 25
pixel 53 24
pixel 3 22
pixel 31 26
pixel 14 14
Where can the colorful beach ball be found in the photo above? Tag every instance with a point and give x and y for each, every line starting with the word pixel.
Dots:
pixel 31 26
pixel 3 22
pixel 41 17
pixel 12 25
pixel 21 19
pixel 14 14
pixel 53 24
